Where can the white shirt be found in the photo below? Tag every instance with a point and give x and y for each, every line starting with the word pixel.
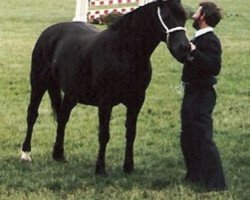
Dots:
pixel 203 31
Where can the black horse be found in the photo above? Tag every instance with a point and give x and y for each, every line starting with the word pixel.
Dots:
pixel 103 69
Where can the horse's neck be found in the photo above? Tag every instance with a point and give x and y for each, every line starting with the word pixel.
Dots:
pixel 143 28
pixel 139 32
pixel 146 45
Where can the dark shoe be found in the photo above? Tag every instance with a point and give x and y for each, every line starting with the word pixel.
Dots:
pixel 215 184
pixel 218 188
pixel 192 178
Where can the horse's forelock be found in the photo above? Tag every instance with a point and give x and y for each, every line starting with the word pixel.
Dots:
pixel 178 9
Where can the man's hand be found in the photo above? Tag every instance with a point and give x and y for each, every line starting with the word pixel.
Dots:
pixel 193 47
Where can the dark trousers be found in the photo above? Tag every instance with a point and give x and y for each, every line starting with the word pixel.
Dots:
pixel 200 153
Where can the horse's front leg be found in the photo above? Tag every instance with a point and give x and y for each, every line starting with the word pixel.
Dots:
pixel 62 119
pixel 131 121
pixel 104 113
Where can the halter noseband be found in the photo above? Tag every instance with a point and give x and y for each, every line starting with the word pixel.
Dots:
pixel 168 31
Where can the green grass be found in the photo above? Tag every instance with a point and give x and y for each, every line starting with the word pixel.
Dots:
pixel 158 159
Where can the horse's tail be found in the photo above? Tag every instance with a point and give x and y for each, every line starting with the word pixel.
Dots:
pixel 55 95
pixel 42 67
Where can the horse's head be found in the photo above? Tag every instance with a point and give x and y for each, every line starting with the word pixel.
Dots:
pixel 172 18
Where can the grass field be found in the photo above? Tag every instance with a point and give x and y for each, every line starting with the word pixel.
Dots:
pixel 158 159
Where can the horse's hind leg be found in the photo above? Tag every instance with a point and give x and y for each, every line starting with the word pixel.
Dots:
pixel 55 97
pixel 104 135
pixel 35 100
pixel 62 119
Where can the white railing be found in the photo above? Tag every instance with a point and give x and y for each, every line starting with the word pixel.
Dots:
pixel 83 13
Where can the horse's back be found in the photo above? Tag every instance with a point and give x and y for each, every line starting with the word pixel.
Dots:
pixel 51 43
pixel 53 36
pixel 66 29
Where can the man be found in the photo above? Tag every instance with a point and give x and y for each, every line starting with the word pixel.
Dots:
pixel 200 153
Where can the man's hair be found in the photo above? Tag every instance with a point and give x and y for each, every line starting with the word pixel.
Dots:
pixel 212 13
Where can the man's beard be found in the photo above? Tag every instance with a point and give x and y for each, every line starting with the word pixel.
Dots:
pixel 196 24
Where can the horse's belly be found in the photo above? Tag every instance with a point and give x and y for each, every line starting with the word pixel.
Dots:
pixel 87 101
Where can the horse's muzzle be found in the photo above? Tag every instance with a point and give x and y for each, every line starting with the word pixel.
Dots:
pixel 181 52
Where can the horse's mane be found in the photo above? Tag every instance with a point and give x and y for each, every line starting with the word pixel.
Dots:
pixel 127 21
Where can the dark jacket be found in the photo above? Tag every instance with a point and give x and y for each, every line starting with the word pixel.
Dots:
pixel 206 63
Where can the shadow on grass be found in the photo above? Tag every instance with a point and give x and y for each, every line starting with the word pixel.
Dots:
pixel 78 173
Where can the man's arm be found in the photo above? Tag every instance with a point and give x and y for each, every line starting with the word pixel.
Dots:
pixel 210 58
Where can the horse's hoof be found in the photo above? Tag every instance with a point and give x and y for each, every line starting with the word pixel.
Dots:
pixel 61 159
pixel 128 168
pixel 25 156
pixel 101 173
pixel 128 171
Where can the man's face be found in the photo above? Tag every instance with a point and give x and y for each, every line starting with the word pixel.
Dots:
pixel 197 18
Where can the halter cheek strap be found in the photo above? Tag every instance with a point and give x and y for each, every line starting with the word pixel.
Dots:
pixel 168 31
